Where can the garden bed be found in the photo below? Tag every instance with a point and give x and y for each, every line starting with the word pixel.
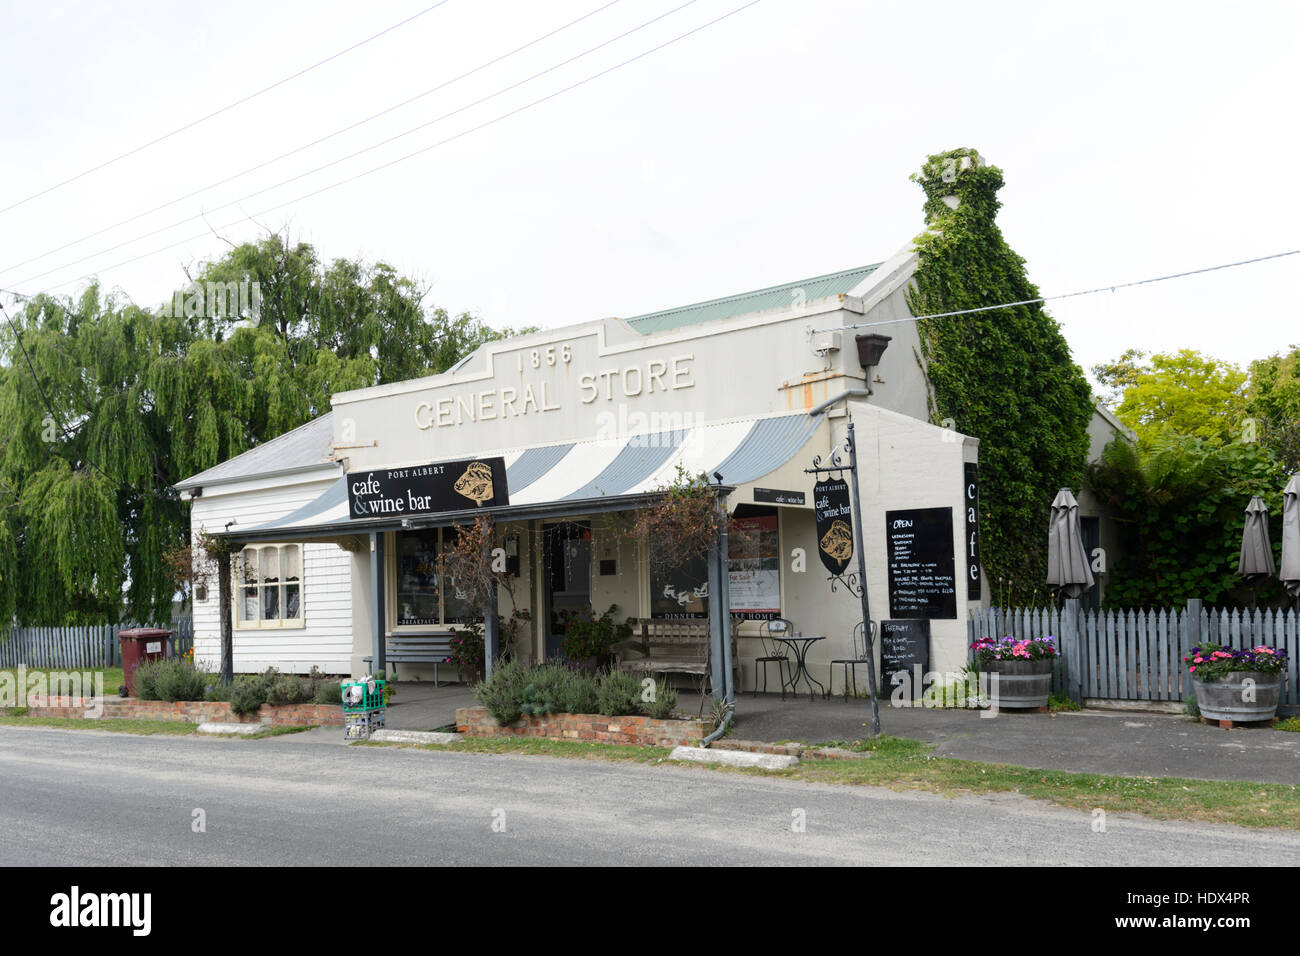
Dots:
pixel 635 730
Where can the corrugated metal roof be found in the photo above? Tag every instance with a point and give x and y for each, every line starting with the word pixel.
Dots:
pixel 641 456
pixel 771 443
pixel 305 446
pixel 774 297
pixel 534 463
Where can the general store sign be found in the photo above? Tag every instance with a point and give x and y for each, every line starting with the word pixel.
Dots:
pixel 428 489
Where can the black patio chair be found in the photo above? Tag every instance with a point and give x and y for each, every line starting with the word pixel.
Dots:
pixel 774 652
pixel 851 663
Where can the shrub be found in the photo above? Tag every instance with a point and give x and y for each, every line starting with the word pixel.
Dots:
pixel 503 693
pixel 468 651
pixel 664 703
pixel 247 696
pixel 580 695
pixel 282 689
pixel 170 679
pixel 618 693
pixel 328 692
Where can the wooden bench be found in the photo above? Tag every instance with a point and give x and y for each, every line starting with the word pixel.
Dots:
pixel 673 647
pixel 433 648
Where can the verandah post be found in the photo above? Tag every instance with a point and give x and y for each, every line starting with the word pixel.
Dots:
pixel 491 618
pixel 377 612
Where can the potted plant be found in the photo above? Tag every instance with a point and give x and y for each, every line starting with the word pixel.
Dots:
pixel 1236 685
pixel 589 640
pixel 1020 670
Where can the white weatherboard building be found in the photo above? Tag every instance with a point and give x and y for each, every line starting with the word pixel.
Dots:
pixel 343 517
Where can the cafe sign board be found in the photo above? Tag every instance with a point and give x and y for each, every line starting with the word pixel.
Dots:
pixel 833 512
pixel 428 489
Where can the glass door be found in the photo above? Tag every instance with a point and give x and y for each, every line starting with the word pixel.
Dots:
pixel 568 578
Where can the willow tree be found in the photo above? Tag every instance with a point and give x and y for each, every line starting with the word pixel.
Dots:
pixel 107 405
pixel 1004 376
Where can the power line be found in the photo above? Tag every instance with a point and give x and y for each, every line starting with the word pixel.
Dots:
pixel 1064 295
pixel 216 113
pixel 359 152
pixel 306 146
pixel 430 147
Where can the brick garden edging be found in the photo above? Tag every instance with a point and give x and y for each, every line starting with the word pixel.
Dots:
pixel 192 711
pixel 639 731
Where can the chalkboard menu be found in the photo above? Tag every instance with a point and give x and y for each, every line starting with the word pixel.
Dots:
pixel 903 646
pixel 922 579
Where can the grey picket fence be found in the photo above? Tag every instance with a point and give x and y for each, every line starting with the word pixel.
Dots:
pixel 90 645
pixel 1138 655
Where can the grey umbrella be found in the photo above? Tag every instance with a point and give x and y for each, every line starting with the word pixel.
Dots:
pixel 1256 561
pixel 1291 536
pixel 1068 569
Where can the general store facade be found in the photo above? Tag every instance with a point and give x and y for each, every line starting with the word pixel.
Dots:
pixel 552 432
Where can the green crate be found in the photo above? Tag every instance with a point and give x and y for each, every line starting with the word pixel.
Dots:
pixel 370 699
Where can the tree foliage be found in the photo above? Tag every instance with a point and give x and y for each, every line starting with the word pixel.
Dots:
pixel 1184 391
pixel 1004 376
pixel 1180 503
pixel 105 405
pixel 1273 402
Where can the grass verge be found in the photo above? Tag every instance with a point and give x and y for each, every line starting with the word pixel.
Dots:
pixel 113 677
pixel 901 764
pixel 114 725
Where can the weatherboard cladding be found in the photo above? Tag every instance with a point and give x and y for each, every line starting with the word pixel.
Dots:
pixel 775 297
pixel 305 446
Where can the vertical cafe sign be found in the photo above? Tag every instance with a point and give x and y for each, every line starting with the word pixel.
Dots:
pixel 833 511
pixel 971 496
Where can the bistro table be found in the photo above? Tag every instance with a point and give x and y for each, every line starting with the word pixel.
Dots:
pixel 800 643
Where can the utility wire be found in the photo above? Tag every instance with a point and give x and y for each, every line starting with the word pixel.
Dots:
pixel 425 149
pixel 306 146
pixel 359 152
pixel 216 113
pixel 1064 295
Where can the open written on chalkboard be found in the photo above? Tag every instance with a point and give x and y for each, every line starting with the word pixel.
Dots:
pixel 904 645
pixel 922 579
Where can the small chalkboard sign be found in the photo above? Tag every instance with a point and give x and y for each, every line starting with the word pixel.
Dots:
pixel 904 645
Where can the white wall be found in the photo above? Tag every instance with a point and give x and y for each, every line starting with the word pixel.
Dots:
pixel 325 640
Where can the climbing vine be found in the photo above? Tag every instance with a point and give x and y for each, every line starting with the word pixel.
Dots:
pixel 1006 376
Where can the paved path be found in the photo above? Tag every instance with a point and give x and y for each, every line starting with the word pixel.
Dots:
pixel 1096 741
pixel 89 797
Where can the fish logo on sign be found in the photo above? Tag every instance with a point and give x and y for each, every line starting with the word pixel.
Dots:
pixel 476 483
pixel 832 509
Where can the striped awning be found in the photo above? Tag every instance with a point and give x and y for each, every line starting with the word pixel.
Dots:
pixel 743 450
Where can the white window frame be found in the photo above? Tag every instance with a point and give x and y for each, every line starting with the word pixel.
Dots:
pixel 390 590
pixel 238 585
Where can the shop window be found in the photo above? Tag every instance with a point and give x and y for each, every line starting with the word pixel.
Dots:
pixel 422 600
pixel 754 582
pixel 268 586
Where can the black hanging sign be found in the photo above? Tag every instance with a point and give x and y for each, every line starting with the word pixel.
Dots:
pixel 971 497
pixel 922 578
pixel 428 489
pixel 833 510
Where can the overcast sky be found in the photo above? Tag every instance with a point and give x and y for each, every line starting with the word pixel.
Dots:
pixel 1137 139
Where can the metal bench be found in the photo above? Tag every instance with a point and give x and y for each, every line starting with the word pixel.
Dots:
pixel 673 647
pixel 433 648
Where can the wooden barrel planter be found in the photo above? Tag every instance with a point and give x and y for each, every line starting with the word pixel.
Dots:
pixel 1021 683
pixel 1225 698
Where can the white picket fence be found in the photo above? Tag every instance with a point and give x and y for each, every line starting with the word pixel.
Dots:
pixel 91 645
pixel 1138 654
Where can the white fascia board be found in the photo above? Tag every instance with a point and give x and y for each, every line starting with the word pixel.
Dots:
pixel 287 478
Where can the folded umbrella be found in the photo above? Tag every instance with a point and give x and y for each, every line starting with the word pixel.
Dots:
pixel 1256 561
pixel 1291 536
pixel 1068 569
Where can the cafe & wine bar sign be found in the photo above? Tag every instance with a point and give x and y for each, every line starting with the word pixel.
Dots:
pixel 428 489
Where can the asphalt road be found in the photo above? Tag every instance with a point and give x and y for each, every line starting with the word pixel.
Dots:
pixel 86 797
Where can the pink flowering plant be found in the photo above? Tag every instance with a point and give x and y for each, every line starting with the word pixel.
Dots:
pixel 990 650
pixel 1210 661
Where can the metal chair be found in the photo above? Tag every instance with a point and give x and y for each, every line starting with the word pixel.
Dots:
pixel 773 652
pixel 851 663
